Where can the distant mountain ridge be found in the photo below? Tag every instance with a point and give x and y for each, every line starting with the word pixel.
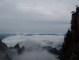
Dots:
pixel 2 36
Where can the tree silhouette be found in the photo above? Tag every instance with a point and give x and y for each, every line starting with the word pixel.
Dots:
pixel 76 6
pixel 73 12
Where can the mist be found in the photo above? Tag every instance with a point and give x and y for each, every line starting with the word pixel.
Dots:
pixel 33 46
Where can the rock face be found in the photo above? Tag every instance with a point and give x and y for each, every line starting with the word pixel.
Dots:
pixel 3 46
pixel 52 50
pixel 70 47
pixel 19 50
pixel 4 51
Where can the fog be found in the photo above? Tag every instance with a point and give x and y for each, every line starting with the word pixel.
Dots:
pixel 33 46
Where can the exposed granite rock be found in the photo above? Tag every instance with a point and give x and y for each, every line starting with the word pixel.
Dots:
pixel 70 47
pixel 19 49
pixel 3 46
pixel 52 50
pixel 4 51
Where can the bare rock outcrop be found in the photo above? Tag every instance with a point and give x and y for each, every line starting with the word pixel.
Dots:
pixel 70 47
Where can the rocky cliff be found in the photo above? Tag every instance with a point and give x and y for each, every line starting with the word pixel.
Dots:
pixel 4 51
pixel 7 52
pixel 70 47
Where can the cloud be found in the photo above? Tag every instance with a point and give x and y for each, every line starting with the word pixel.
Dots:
pixel 49 8
pixel 17 12
pixel 33 46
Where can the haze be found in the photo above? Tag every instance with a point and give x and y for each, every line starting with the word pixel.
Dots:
pixel 36 16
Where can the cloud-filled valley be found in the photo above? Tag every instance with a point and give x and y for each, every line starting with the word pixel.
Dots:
pixel 34 46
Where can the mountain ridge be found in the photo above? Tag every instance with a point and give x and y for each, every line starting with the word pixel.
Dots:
pixel 70 47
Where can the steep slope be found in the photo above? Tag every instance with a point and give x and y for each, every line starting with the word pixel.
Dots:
pixel 4 51
pixel 70 48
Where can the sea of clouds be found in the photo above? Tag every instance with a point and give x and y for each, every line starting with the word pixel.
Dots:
pixel 33 46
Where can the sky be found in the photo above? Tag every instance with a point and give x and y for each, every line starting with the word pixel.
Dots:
pixel 36 16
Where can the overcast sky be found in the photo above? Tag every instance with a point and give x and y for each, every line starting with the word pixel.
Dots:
pixel 36 16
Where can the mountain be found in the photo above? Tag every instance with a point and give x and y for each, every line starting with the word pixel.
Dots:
pixel 70 47
pixel 2 36
pixel 4 51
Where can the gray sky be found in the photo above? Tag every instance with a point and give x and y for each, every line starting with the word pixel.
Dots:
pixel 36 16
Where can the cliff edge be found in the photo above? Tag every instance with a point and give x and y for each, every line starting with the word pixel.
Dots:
pixel 70 47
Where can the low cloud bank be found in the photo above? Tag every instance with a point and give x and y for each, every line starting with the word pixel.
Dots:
pixel 33 46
